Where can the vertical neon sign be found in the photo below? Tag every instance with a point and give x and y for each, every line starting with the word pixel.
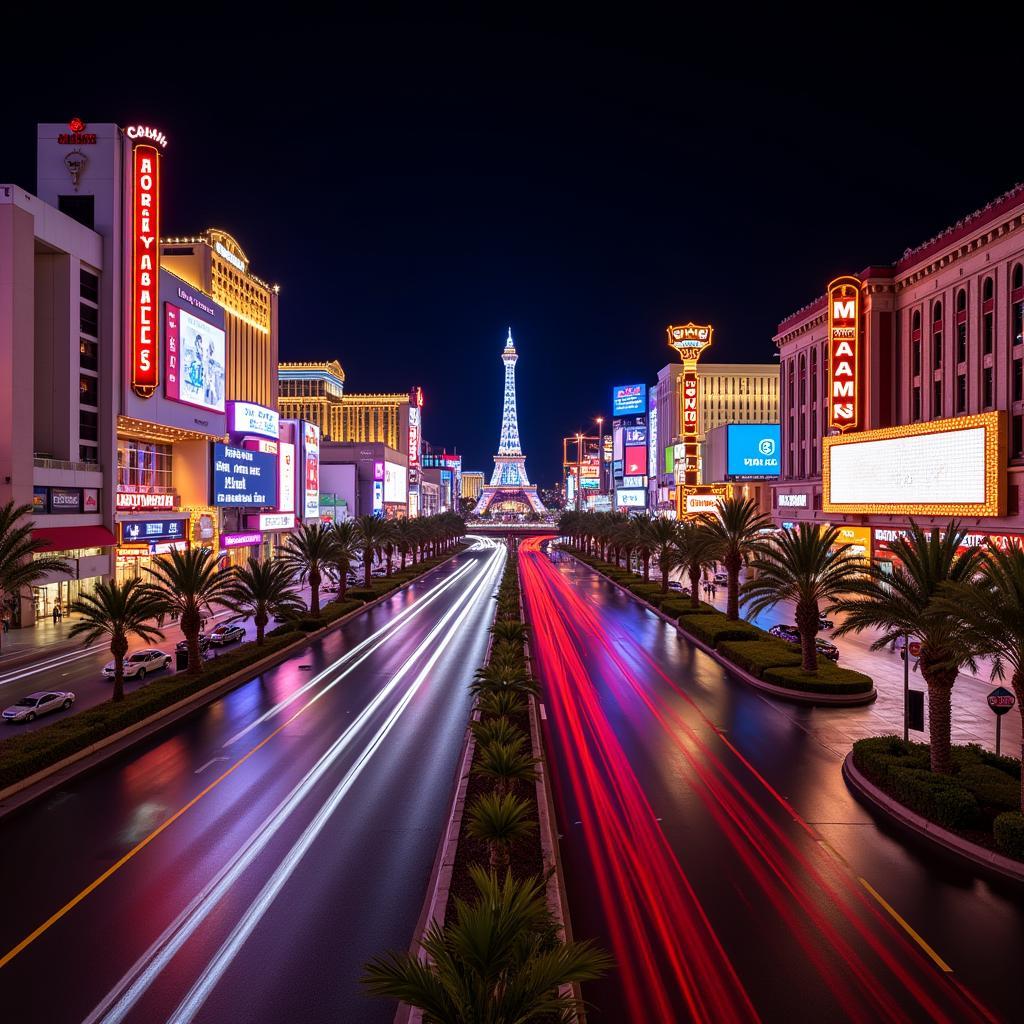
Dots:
pixel 689 341
pixel 844 352
pixel 145 268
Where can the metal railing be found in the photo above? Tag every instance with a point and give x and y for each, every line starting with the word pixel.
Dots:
pixel 44 462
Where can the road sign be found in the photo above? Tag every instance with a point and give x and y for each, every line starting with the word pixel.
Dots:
pixel 915 648
pixel 1001 700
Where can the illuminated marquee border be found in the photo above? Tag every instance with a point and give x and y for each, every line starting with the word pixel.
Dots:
pixel 994 504
pixel 839 286
pixel 677 334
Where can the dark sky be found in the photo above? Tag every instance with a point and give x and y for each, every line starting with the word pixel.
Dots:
pixel 416 186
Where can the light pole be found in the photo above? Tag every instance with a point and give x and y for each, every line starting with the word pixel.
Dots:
pixel 600 455
pixel 579 467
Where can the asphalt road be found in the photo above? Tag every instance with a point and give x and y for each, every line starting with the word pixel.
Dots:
pixel 710 843
pixel 244 865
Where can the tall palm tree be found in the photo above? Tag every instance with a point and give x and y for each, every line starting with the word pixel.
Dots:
pixel 259 590
pixel 404 540
pixel 344 549
pixel 499 821
pixel 191 583
pixel 387 544
pixel 991 609
pixel 807 567
pixel 309 554
pixel 492 960
pixel 370 536
pixel 736 528
pixel 645 541
pixel 663 537
pixel 117 611
pixel 696 552
pixel 908 602
pixel 21 564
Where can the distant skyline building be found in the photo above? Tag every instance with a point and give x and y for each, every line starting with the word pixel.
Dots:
pixel 472 483
pixel 313 392
pixel 510 490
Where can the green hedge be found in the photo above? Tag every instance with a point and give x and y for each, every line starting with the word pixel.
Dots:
pixel 829 678
pixel 981 794
pixel 714 628
pixel 701 609
pixel 757 655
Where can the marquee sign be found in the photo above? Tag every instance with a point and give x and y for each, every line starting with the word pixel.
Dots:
pixel 844 352
pixel 133 501
pixel 145 366
pixel 690 340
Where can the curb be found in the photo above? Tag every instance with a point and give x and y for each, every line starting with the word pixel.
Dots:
pixel 841 700
pixel 972 853
pixel 46 779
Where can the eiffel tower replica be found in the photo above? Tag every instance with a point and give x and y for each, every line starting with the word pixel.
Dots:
pixel 509 492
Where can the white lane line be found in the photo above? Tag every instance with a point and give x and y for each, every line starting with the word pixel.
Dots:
pixel 213 760
pixel 115 1006
pixel 543 713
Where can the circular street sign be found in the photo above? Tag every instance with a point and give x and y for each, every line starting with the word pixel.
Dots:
pixel 1001 700
pixel 915 648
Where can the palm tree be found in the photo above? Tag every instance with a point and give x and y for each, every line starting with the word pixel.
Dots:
pixel 505 764
pixel 908 602
pixel 309 554
pixel 497 730
pixel 191 583
pixel 492 960
pixel 663 537
pixel 404 540
pixel 496 704
pixel 499 821
pixel 695 553
pixel 388 544
pixel 259 590
pixel 343 552
pixel 21 564
pixel 118 611
pixel 509 631
pixel 804 566
pixel 991 609
pixel 371 532
pixel 645 541
pixel 736 528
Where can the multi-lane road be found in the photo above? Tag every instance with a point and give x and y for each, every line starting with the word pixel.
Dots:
pixel 710 844
pixel 245 864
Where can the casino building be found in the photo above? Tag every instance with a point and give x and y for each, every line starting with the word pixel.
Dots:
pixel 903 390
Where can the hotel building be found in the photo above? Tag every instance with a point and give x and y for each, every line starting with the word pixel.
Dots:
pixel 472 484
pixel 903 390
pixel 313 392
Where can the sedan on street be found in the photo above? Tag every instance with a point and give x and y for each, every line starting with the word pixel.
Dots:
pixel 204 644
pixel 39 703
pixel 790 633
pixel 138 664
pixel 226 634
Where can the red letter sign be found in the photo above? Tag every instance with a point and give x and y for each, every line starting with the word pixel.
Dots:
pixel 843 352
pixel 145 269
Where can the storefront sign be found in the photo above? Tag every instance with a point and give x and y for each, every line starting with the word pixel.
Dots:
pixel 844 352
pixel 634 435
pixel 286 476
pixel 690 340
pixel 77 135
pixel 137 531
pixel 130 501
pixel 629 481
pixel 1001 700
pixel 65 500
pixel 268 522
pixel 701 503
pixel 90 499
pixel 311 476
pixel 241 540
pixel 204 527
pixel 630 498
pixel 859 539
pixel 792 501
pixel 249 418
pixel 39 503
pixel 242 477
pixel 145 266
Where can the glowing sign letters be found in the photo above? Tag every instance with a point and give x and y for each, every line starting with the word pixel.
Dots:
pixel 145 267
pixel 844 352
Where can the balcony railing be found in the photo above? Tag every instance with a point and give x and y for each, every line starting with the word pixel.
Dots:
pixel 42 462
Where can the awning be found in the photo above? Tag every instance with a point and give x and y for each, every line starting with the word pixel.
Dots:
pixel 67 538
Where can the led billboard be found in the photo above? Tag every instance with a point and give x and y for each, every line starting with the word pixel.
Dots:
pixel 629 400
pixel 311 469
pixel 946 467
pixel 243 478
pixel 634 462
pixel 631 498
pixel 394 483
pixel 753 449
pixel 195 359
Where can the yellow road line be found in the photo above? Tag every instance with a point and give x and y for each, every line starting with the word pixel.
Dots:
pixel 906 927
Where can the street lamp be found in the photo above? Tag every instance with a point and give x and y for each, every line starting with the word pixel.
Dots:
pixel 579 468
pixel 600 455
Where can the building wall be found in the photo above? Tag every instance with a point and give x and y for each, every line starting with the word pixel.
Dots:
pixel 384 418
pixel 312 391
pixel 472 484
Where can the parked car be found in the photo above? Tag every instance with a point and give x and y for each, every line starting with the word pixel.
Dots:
pixel 227 633
pixel 721 578
pixel 39 703
pixel 826 649
pixel 790 633
pixel 138 664
pixel 678 588
pixel 204 643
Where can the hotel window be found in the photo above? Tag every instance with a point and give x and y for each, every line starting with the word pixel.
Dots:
pixel 989 388
pixel 88 354
pixel 88 286
pixel 961 392
pixel 937 399
pixel 915 343
pixel 803 379
pixel 1018 380
pixel 916 414
pixel 790 384
pixel 961 326
pixel 88 453
pixel 937 335
pixel 1017 300
pixel 988 317
pixel 88 319
pixel 88 425
pixel 1017 438
pixel 87 388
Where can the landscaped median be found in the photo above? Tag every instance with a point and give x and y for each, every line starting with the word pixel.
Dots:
pixel 973 812
pixel 27 755
pixel 759 658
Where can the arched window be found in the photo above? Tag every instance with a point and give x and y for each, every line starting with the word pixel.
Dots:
pixel 987 290
pixel 1018 276
pixel 988 316
pixel 937 336
pixel 961 300
pixel 960 326
pixel 915 342
pixel 1017 305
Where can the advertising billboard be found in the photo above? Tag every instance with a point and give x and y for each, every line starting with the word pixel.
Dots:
pixel 629 400
pixel 243 478
pixel 270 521
pixel 946 467
pixel 311 469
pixel 633 497
pixel 753 449
pixel 285 476
pixel 702 503
pixel 670 459
pixel 394 483
pixel 248 418
pixel 634 462
pixel 195 359
pixel 634 435
pixel 859 539
pixel 140 530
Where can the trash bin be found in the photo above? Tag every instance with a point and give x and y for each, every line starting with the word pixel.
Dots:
pixel 180 660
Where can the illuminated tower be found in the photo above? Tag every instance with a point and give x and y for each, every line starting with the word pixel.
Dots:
pixel 509 490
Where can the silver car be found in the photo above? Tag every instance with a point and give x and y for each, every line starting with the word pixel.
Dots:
pixel 39 703
pixel 138 664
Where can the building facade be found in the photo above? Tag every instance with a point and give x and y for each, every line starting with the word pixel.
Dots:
pixel 313 392
pixel 472 484
pixel 933 401
pixel 363 479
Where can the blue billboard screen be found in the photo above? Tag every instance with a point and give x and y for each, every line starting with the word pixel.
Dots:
pixel 629 400
pixel 753 449
pixel 243 478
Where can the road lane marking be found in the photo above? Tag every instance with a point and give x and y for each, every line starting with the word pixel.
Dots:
pixel 543 713
pixel 144 842
pixel 213 760
pixel 943 966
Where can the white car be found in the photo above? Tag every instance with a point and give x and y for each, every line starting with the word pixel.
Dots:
pixel 39 703
pixel 138 664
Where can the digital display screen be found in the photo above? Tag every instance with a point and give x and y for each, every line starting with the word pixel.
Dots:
pixel 629 399
pixel 243 478
pixel 753 449
pixel 195 359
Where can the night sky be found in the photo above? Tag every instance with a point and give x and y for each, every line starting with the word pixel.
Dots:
pixel 416 187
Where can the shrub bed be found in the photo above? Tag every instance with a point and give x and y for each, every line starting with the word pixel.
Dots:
pixel 829 678
pixel 980 799
pixel 713 628
pixel 757 655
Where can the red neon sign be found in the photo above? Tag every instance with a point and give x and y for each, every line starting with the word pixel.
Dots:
pixel 844 352
pixel 145 365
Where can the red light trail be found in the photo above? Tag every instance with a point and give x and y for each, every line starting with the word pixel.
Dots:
pixel 670 960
